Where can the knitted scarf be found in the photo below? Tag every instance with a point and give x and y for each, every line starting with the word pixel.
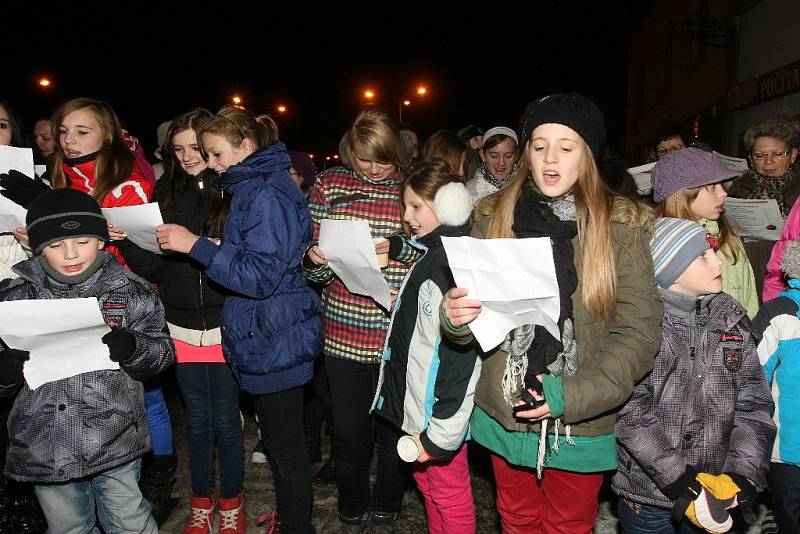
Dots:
pixel 531 349
pixel 496 182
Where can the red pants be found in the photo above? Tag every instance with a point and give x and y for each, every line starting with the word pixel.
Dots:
pixel 448 494
pixel 561 502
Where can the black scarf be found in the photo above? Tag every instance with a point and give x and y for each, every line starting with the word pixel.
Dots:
pixel 534 217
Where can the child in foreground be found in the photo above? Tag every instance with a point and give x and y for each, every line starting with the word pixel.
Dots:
pixel 778 326
pixel 427 384
pixel 696 434
pixel 79 440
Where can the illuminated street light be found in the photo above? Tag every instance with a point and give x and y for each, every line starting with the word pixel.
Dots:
pixel 421 91
pixel 281 109
pixel 236 100
pixel 44 82
pixel 369 94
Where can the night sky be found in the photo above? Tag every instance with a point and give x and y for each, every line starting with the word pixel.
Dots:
pixel 480 66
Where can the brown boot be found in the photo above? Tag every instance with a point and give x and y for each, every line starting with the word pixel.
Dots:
pixel 202 517
pixel 232 515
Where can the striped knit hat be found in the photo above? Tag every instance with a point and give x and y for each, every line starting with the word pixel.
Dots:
pixel 675 244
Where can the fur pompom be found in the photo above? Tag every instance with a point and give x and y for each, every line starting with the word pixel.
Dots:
pixel 452 204
pixel 790 264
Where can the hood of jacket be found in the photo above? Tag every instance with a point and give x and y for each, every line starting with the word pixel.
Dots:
pixel 271 158
pixel 109 276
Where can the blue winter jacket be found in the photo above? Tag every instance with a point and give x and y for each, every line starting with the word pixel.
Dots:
pixel 271 329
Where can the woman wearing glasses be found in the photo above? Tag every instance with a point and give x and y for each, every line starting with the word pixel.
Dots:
pixel 772 148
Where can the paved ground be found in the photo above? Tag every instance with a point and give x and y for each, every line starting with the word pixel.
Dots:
pixel 261 495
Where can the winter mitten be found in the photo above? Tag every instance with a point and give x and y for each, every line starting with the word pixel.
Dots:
pixel 20 189
pixel 121 344
pixel 11 363
pixel 716 495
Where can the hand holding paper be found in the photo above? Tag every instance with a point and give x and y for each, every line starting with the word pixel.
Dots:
pixel 348 248
pixel 513 280
pixel 12 214
pixel 139 222
pixel 63 337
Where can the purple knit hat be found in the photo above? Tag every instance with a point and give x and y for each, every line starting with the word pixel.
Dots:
pixel 305 167
pixel 687 168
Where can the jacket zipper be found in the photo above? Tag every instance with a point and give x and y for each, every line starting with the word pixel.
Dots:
pixel 200 274
pixel 691 326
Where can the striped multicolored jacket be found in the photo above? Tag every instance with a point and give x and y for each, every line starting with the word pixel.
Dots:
pixel 354 326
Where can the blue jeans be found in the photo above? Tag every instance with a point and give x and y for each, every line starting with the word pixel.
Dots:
pixel 70 508
pixel 636 518
pixel 158 420
pixel 211 398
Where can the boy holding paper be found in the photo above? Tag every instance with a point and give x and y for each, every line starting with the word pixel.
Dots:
pixel 79 440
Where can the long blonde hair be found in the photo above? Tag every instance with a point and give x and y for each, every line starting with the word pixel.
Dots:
pixel 597 273
pixel 679 205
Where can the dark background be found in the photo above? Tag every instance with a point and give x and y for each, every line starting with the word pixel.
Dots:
pixel 151 62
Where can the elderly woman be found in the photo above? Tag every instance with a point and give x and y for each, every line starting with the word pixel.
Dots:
pixel 772 148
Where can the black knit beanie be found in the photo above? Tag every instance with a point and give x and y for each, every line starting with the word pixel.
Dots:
pixel 570 109
pixel 63 213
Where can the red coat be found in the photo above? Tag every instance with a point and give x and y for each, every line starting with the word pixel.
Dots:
pixel 137 189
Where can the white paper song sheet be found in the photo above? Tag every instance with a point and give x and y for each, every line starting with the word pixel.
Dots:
pixel 62 335
pixel 12 215
pixel 351 255
pixel 755 218
pixel 139 223
pixel 642 176
pixel 515 280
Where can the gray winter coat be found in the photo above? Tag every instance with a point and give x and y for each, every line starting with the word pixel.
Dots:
pixel 705 405
pixel 80 426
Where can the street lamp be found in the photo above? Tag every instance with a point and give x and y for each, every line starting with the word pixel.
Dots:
pixel 44 82
pixel 421 91
pixel 237 102
pixel 281 109
pixel 369 94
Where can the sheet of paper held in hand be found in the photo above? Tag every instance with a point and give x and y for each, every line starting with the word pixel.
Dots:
pixel 62 335
pixel 755 218
pixel 12 215
pixel 348 247
pixel 515 280
pixel 139 223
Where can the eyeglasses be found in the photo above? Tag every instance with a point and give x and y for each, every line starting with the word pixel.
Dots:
pixel 776 156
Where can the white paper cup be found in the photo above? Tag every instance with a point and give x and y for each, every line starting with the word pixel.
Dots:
pixel 408 449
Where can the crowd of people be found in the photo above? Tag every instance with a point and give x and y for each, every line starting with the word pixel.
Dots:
pixel 670 364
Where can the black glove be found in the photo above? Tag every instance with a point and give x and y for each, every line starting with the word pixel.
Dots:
pixel 20 189
pixel 747 497
pixel 121 344
pixel 11 362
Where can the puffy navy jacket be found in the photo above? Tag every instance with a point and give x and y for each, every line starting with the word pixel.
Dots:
pixel 271 329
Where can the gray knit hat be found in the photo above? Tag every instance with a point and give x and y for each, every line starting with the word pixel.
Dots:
pixel 687 168
pixel 675 244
